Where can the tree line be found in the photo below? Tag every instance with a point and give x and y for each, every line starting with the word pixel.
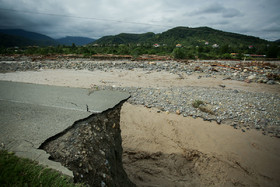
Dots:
pixel 182 52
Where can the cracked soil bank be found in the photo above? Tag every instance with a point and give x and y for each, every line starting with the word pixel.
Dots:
pixel 92 149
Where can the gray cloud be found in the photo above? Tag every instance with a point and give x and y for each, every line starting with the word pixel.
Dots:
pixel 93 18
pixel 230 13
pixel 217 8
pixel 212 9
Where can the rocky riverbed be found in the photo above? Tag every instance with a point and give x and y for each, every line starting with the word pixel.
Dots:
pixel 167 136
pixel 241 109
pixel 261 72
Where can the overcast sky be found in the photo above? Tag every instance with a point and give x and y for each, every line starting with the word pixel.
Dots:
pixel 97 18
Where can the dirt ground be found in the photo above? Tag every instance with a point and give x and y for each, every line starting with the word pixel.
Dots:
pixel 135 78
pixel 162 149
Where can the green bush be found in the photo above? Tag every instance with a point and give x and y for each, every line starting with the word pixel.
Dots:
pixel 178 53
pixel 197 103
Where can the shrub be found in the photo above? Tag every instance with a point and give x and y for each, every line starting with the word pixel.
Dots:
pixel 178 53
pixel 197 103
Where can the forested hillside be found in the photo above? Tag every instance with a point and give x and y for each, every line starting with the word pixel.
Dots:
pixel 30 38
pixel 185 36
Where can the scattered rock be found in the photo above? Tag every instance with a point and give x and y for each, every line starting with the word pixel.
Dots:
pixel 227 78
pixel 247 81
pixel 197 68
pixel 252 78
pixel 270 82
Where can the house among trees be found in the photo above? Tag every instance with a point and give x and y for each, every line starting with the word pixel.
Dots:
pixel 178 45
pixel 156 45
pixel 206 43
pixel 215 45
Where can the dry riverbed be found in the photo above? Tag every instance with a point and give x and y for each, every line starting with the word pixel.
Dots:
pixel 168 142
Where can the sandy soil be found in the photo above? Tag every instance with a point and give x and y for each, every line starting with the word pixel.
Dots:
pixel 162 149
pixel 136 78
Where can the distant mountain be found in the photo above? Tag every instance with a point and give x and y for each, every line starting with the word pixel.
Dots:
pixel 277 41
pixel 79 41
pixel 12 41
pixel 185 36
pixel 27 38
pixel 124 38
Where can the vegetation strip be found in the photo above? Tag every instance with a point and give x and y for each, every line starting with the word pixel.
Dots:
pixel 16 171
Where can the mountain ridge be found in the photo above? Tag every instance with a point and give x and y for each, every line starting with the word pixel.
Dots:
pixel 31 38
pixel 186 36
pixel 20 37
pixel 12 41
pixel 124 38
pixel 77 40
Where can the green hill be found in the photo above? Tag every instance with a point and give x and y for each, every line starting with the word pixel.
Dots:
pixel 200 35
pixel 77 40
pixel 12 41
pixel 29 38
pixel 185 36
pixel 125 38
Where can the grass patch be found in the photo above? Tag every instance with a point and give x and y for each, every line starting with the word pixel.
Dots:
pixel 200 105
pixel 16 171
pixel 197 103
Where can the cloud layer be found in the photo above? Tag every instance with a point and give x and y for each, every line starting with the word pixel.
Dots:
pixel 96 18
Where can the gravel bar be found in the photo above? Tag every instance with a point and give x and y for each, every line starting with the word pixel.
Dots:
pixel 241 109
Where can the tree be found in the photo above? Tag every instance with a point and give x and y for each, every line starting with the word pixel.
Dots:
pixel 273 51
pixel 124 50
pixel 73 46
pixel 200 49
pixel 178 53
pixel 224 49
